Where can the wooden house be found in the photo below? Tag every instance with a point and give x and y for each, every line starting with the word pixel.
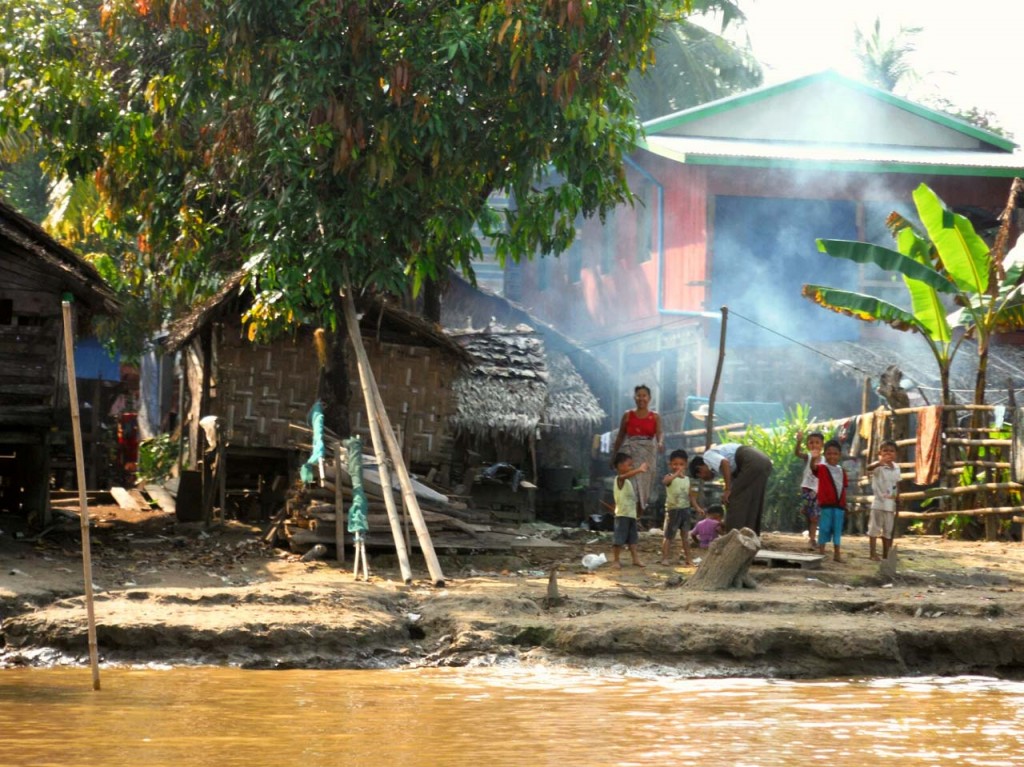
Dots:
pixel 732 196
pixel 36 274
pixel 263 391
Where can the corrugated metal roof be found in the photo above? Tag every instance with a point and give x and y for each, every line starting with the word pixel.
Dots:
pixel 820 98
pixel 850 158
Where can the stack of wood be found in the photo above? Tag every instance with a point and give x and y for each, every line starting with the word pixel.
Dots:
pixel 311 513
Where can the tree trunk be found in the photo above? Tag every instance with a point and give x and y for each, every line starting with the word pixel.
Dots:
pixel 727 563
pixel 334 389
pixel 432 290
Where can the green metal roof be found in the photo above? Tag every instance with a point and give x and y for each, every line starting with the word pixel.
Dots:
pixel 665 125
pixel 829 157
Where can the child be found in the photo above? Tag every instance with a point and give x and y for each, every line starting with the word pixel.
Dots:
pixel 680 502
pixel 710 527
pixel 627 507
pixel 831 497
pixel 809 482
pixel 885 480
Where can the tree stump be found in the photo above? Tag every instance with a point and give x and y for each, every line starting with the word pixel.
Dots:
pixel 727 563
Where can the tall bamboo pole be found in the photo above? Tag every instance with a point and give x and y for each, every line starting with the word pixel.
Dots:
pixel 375 410
pixel 378 443
pixel 83 500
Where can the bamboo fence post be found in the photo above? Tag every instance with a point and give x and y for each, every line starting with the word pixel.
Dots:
pixel 83 499
pixel 379 428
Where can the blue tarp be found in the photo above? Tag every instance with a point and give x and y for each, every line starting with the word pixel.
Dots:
pixel 92 361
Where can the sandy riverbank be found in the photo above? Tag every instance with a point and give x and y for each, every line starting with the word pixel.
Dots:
pixel 171 594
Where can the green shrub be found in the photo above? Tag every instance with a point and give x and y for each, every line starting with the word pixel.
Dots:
pixel 782 499
pixel 157 457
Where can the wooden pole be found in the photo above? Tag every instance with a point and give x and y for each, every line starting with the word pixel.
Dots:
pixel 83 499
pixel 412 503
pixel 363 364
pixel 709 430
pixel 339 506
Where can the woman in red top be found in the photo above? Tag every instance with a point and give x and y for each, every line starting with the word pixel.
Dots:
pixel 640 436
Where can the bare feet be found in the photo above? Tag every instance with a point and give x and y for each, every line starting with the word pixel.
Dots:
pixel 617 564
pixel 839 559
pixel 665 563
pixel 638 563
pixel 875 558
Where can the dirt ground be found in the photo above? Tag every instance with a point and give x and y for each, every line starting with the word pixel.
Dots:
pixel 167 592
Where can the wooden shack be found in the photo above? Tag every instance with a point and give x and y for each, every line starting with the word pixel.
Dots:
pixel 263 391
pixel 523 412
pixel 36 272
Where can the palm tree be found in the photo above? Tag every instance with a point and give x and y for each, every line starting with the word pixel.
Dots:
pixel 883 59
pixel 692 65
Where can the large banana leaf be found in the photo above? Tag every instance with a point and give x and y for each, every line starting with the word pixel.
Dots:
pixel 888 259
pixel 964 254
pixel 863 307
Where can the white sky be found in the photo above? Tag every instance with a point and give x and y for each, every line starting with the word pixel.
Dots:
pixel 972 53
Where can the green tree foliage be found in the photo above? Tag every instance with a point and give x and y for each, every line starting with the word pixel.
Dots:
pixel 316 143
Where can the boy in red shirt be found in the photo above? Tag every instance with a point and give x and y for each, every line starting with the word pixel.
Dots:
pixel 832 483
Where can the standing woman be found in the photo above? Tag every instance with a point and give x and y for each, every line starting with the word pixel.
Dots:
pixel 640 437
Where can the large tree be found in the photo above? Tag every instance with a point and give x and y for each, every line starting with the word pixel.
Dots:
pixel 319 143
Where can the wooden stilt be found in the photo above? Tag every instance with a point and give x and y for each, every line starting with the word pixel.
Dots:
pixel 83 500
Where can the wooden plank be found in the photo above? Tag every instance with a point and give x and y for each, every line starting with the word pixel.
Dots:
pixel 790 559
pixel 162 498
pixel 124 499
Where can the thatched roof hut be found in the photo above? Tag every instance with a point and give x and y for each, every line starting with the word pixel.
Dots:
pixel 517 388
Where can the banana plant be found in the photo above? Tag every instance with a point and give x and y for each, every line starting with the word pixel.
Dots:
pixel 948 265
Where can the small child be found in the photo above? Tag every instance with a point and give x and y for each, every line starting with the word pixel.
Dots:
pixel 709 528
pixel 680 502
pixel 627 508
pixel 885 480
pixel 809 482
pixel 832 483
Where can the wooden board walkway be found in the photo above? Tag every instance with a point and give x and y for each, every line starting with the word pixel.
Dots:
pixel 790 559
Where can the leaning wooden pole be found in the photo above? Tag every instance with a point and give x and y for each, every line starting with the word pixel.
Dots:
pixel 375 410
pixel 710 430
pixel 379 448
pixel 83 499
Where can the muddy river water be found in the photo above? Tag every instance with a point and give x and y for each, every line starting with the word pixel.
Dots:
pixel 185 717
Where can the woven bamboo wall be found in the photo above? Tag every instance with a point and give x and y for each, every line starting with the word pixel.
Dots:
pixel 261 388
pixel 416 386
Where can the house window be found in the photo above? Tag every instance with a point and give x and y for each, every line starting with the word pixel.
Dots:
pixel 609 242
pixel 6 311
